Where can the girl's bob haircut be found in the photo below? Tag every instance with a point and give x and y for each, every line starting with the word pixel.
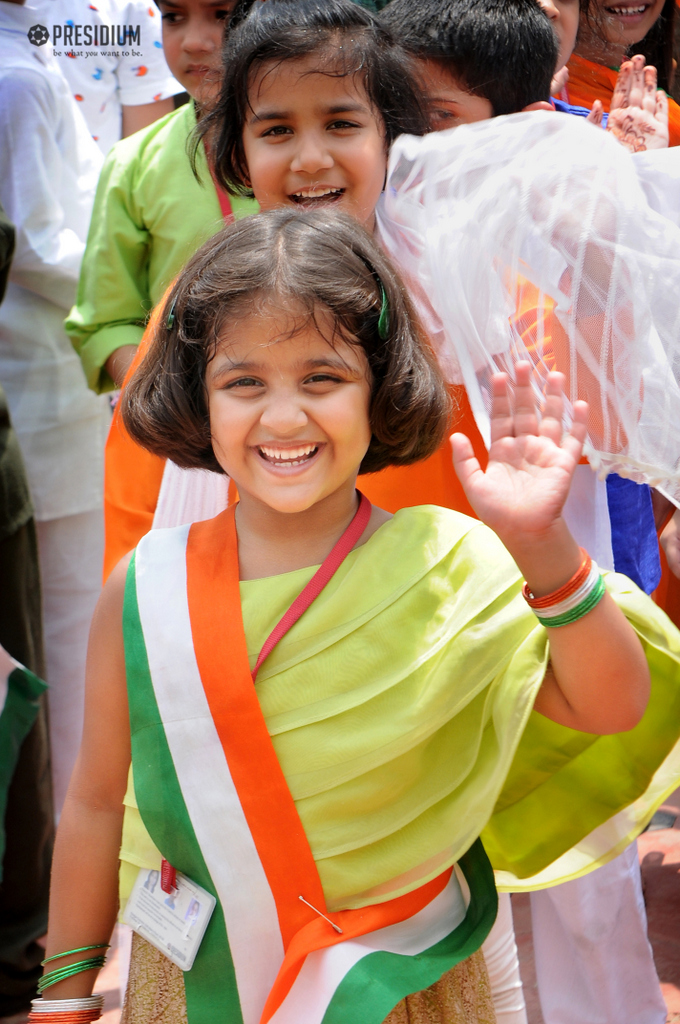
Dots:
pixel 304 263
pixel 346 39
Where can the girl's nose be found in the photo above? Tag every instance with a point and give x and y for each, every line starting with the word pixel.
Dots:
pixel 283 415
pixel 311 155
pixel 197 41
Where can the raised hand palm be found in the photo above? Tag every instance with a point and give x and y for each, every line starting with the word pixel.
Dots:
pixel 531 464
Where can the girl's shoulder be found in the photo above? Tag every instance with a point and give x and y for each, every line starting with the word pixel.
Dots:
pixel 168 135
pixel 429 539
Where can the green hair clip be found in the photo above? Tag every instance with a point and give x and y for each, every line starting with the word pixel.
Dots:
pixel 171 315
pixel 384 319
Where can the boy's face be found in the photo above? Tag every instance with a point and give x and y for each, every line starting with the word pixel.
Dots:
pixel 193 33
pixel 447 100
pixel 313 139
pixel 564 15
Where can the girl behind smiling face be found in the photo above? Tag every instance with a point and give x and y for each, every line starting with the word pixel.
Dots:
pixel 312 99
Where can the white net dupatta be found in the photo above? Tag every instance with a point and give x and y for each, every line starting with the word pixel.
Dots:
pixel 530 237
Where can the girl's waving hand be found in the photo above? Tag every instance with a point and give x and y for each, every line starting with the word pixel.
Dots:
pixel 531 460
pixel 597 678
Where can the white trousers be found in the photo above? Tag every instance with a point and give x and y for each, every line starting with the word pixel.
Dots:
pixel 594 963
pixel 71 550
pixel 502 963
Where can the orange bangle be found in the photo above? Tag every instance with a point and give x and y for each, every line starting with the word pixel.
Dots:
pixel 565 591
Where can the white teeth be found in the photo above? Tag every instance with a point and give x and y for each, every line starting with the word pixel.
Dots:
pixel 289 456
pixel 316 193
pixel 627 11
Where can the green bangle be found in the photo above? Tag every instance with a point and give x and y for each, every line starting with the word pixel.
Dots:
pixel 586 605
pixel 82 949
pixel 62 973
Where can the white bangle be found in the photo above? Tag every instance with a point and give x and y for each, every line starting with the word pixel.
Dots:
pixel 67 1005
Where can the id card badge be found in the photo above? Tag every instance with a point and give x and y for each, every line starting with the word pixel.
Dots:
pixel 173 922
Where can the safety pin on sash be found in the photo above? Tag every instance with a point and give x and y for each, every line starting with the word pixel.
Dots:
pixel 331 923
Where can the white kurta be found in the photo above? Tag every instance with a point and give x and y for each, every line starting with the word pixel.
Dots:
pixel 49 167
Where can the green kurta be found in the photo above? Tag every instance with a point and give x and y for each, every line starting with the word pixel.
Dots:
pixel 400 708
pixel 150 215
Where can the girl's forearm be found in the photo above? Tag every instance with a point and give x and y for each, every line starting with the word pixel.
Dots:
pixel 84 890
pixel 598 680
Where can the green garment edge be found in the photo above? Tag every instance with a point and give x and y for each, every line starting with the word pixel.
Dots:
pixel 17 716
pixel 371 989
pixel 150 216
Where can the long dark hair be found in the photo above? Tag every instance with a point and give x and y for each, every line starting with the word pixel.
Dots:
pixel 657 46
pixel 349 41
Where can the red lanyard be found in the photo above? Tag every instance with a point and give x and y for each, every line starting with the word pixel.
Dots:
pixel 321 577
pixel 223 200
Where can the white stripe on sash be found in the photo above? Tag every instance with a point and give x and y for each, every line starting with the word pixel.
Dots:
pixel 324 969
pixel 204 777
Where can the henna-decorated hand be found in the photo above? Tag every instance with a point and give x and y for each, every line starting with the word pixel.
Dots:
pixel 639 111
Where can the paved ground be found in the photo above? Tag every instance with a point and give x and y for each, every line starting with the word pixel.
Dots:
pixel 660 857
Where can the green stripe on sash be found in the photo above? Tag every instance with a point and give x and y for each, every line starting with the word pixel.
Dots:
pixel 375 985
pixel 210 985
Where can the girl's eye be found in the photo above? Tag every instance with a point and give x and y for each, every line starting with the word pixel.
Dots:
pixel 278 129
pixel 222 15
pixel 323 378
pixel 244 382
pixel 170 16
pixel 334 125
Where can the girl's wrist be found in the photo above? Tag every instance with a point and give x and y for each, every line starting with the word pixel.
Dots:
pixel 546 561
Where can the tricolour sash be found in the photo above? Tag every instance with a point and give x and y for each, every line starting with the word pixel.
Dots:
pixel 215 801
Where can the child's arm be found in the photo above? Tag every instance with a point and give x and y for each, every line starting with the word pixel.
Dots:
pixel 84 891
pixel 598 679
pixel 113 291
pixel 670 542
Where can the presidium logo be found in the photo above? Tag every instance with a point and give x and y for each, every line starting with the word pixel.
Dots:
pixel 86 35
pixel 38 35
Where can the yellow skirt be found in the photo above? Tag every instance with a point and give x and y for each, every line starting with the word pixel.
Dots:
pixel 155 993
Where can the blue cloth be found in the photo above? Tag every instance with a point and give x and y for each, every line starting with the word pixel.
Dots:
pixel 567 108
pixel 634 541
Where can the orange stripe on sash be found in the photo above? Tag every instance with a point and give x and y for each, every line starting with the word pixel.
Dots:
pixel 354 923
pixel 222 656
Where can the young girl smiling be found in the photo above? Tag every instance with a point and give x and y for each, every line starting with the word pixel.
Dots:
pixel 324 807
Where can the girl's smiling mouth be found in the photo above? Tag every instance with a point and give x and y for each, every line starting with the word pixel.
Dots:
pixel 288 457
pixel 316 195
pixel 630 15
